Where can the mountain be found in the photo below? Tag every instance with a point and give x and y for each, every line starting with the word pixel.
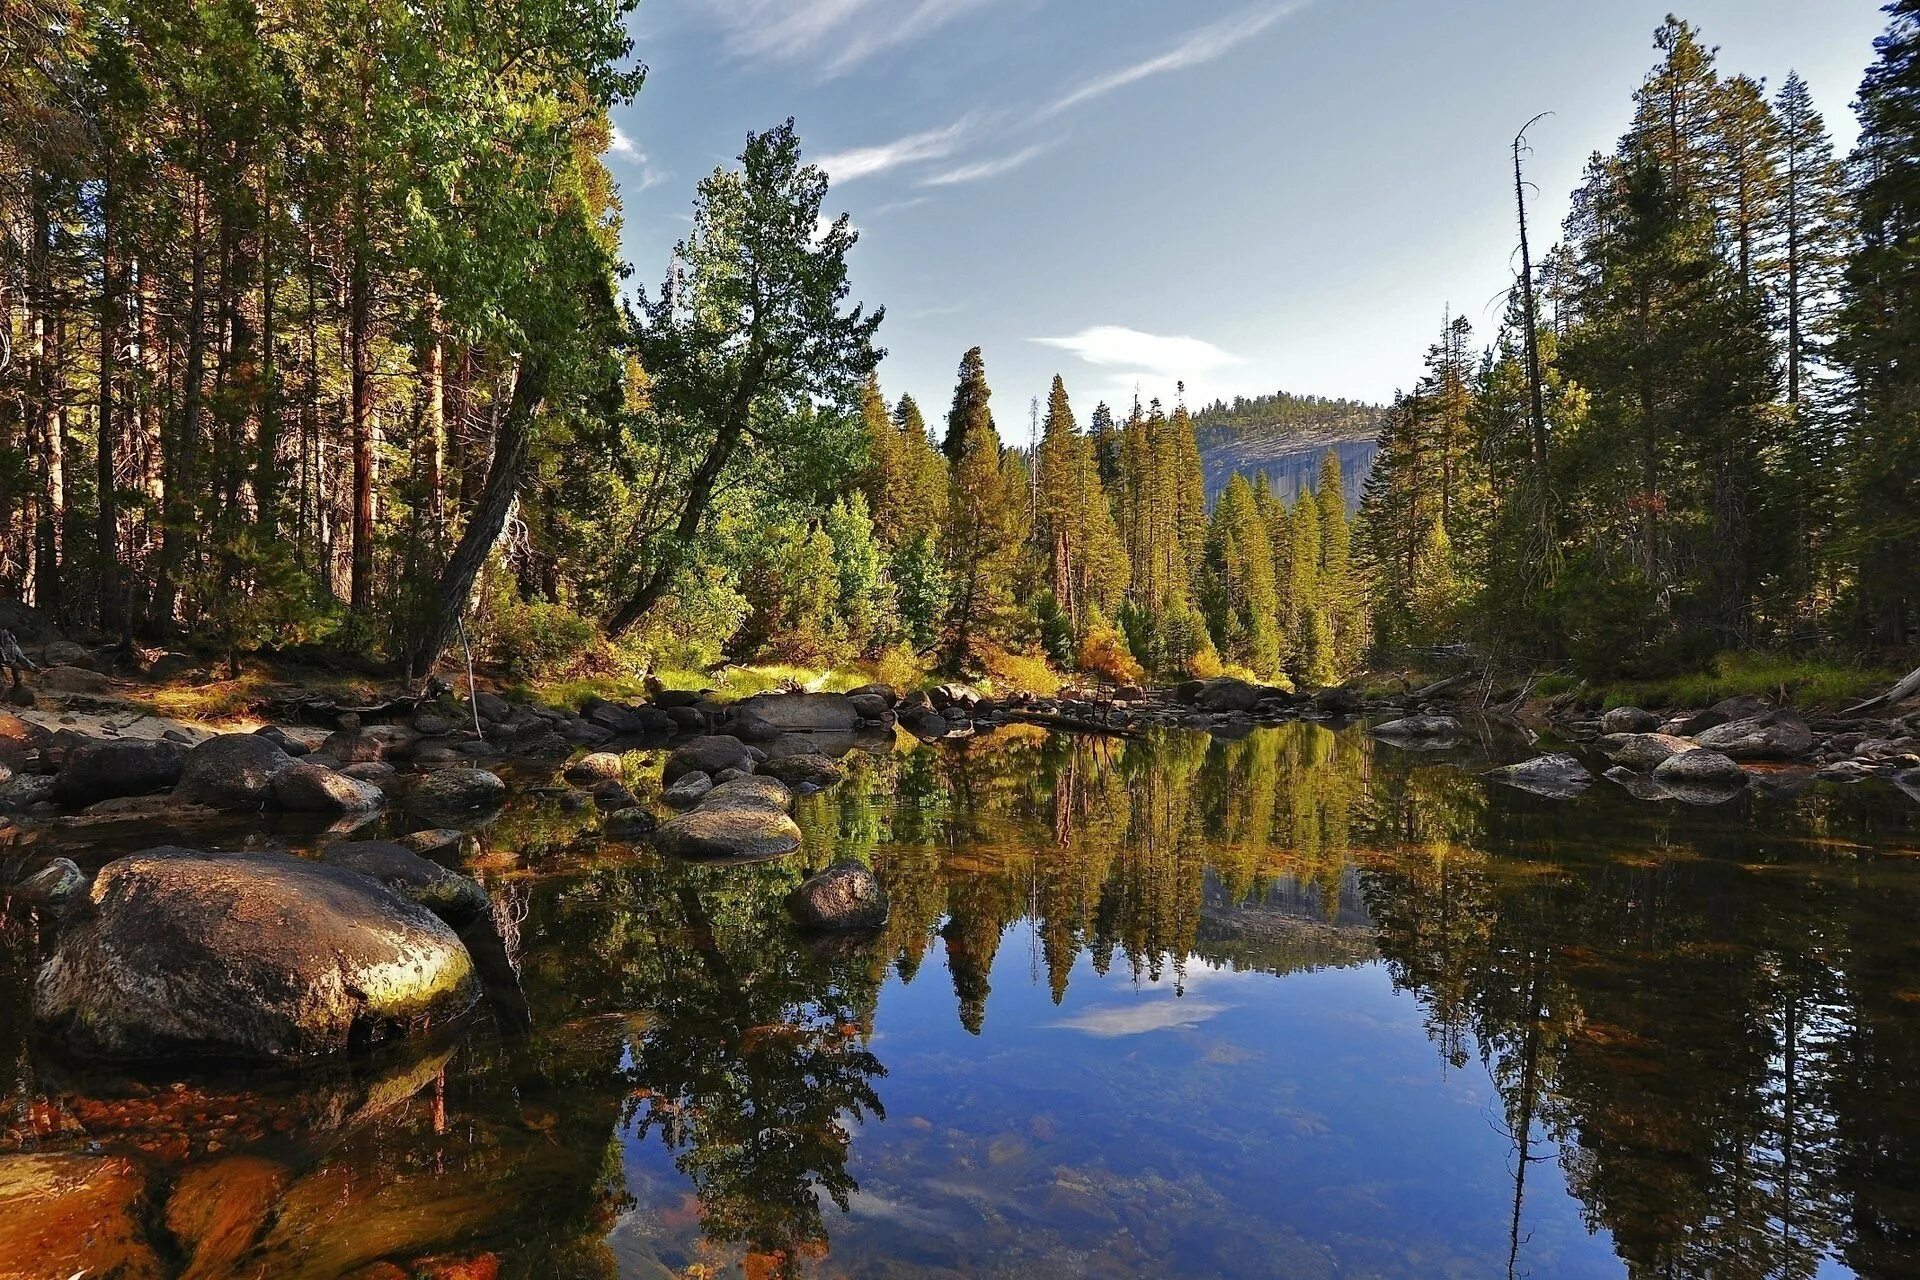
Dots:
pixel 1286 436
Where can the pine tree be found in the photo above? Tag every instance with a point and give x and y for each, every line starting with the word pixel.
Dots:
pixel 1236 592
pixel 1342 601
pixel 1305 608
pixel 969 413
pixel 981 538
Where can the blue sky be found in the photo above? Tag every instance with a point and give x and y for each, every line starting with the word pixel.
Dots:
pixel 1244 194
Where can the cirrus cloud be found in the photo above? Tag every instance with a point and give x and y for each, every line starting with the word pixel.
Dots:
pixel 1115 346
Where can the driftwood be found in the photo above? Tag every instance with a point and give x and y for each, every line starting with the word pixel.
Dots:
pixel 1899 693
pixel 1440 686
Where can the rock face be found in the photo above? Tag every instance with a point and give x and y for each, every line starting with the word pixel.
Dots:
pixel 457 791
pixel 1643 751
pixel 1629 720
pixel 708 755
pixel 251 957
pixel 1552 775
pixel 128 767
pixel 845 896
pixel 1772 735
pixel 728 832
pixel 1425 732
pixel 447 894
pixel 804 770
pixel 1702 769
pixel 804 712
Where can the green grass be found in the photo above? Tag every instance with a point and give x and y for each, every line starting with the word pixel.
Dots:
pixel 1805 682
pixel 729 683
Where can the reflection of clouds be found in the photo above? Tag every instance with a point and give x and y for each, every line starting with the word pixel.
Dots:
pixel 1134 1019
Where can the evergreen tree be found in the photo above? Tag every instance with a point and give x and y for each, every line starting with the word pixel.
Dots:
pixel 982 535
pixel 1341 599
pixel 969 413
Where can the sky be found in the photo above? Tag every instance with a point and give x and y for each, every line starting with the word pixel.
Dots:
pixel 1244 195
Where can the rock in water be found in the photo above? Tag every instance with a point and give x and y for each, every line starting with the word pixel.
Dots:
pixel 688 790
pixel 708 755
pixel 807 769
pixel 1629 720
pixel 1422 732
pixel 844 896
pixel 1553 775
pixel 127 767
pixel 1643 751
pixel 310 788
pixel 53 890
pixel 751 792
pixel 804 712
pixel 1701 769
pixel 1775 735
pixel 629 824
pixel 458 791
pixel 447 894
pixel 728 832
pixel 598 766
pixel 234 772
pixel 247 956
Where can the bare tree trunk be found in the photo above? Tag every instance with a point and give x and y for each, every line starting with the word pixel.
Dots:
pixel 112 612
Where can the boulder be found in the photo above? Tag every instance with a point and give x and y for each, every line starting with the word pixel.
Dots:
pixel 887 694
pixel 309 788
pixel 1339 702
pixel 431 724
pixel 1227 693
pixel 804 712
pixel 62 679
pixel 869 706
pixel 233 772
pixel 492 706
pixel 350 746
pixel 629 824
pixel 690 719
pixel 611 793
pixel 1643 751
pixel 19 738
pixel 27 790
pixel 457 791
pixel 122 767
pixel 1908 781
pixel 728 832
pixel 754 792
pixel 749 726
pixel 375 771
pixel 246 957
pixel 708 755
pixel 447 894
pixel 1772 735
pixel 596 767
pixel 1629 720
pixel 924 723
pixel 1722 712
pixel 53 890
pixel 807 770
pixel 725 775
pixel 1550 775
pixel 1423 732
pixel 956 697
pixel 845 896
pixel 1700 769
pixel 689 789
pixel 667 699
pixel 434 840
pixel 627 721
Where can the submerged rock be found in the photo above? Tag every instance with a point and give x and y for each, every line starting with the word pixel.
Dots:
pixel 845 896
pixel 1774 735
pixel 249 957
pixel 125 767
pixel 729 832
pixel 1551 775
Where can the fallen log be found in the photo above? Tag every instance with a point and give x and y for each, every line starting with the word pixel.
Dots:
pixel 1905 689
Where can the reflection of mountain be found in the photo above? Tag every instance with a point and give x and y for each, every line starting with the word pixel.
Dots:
pixel 1286 926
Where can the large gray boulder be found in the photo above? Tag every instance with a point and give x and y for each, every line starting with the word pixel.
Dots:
pixel 1772 735
pixel 233 772
pixel 246 957
pixel 808 769
pixel 1629 720
pixel 448 894
pixel 1422 732
pixel 728 832
pixel 804 712
pixel 101 770
pixel 708 755
pixel 311 788
pixel 457 791
pixel 1709 770
pixel 845 896
pixel 1643 751
pixel 1556 775
pixel 752 792
pixel 1227 693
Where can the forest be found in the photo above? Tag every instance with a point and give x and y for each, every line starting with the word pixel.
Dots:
pixel 264 389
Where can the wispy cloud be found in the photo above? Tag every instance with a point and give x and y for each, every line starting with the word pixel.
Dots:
pixel 621 144
pixel 1200 47
pixel 986 168
pixel 834 36
pixel 1111 345
pixel 624 145
pixel 1143 1017
pixel 914 148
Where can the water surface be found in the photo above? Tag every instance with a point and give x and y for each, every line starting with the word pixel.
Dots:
pixel 1299 1004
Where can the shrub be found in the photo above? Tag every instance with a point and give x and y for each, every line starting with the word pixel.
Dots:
pixel 539 641
pixel 1103 652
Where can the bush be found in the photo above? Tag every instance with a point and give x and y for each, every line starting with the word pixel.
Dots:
pixel 539 641
pixel 1103 652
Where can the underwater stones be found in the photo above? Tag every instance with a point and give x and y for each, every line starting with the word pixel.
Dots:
pixel 1556 775
pixel 250 957
pixel 845 896
pixel 629 824
pixel 310 788
pixel 1773 735
pixel 708 755
pixel 457 791
pixel 1700 769
pixel 728 832
pixel 101 770
pixel 1629 720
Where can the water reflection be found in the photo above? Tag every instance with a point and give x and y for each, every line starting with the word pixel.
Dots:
pixel 1139 1010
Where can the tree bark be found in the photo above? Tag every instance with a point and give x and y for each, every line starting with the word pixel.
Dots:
pixel 112 611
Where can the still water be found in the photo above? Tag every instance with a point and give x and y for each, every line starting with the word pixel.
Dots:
pixel 1295 1005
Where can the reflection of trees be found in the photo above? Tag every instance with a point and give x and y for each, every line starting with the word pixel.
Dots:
pixel 1712 1037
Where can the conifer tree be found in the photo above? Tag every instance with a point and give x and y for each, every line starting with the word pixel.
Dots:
pixel 1305 613
pixel 1341 601
pixel 982 535
pixel 969 412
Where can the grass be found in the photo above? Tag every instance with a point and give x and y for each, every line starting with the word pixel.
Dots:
pixel 731 683
pixel 1803 681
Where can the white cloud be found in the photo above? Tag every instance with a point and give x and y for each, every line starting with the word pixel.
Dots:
pixel 1111 345
pixel 930 144
pixel 1202 46
pixel 624 145
pixel 1141 1017
pixel 834 36
pixel 986 168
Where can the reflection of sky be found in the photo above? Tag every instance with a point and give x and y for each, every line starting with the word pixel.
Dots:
pixel 1254 1126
